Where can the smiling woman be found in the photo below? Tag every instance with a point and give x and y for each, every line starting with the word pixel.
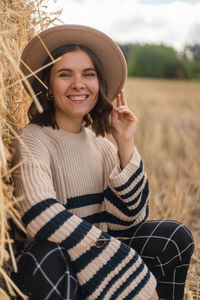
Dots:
pixel 74 84
pixel 84 201
pixel 83 67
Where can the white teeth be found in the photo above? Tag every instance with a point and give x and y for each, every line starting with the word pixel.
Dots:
pixel 77 98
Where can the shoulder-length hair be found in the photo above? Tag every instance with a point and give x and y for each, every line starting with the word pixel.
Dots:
pixel 98 117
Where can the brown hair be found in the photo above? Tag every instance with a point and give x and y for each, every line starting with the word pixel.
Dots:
pixel 99 116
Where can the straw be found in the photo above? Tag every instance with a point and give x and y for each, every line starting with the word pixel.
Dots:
pixel 19 22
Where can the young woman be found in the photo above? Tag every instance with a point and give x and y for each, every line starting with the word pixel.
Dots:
pixel 85 202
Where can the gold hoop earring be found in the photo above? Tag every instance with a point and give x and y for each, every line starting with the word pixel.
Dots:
pixel 49 97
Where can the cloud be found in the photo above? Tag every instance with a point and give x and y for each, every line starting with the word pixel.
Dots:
pixel 172 22
pixel 161 2
pixel 194 34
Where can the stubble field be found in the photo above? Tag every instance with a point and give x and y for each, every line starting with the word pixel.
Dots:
pixel 168 138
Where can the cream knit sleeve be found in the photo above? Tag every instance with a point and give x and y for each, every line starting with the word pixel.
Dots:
pixel 126 195
pixel 105 267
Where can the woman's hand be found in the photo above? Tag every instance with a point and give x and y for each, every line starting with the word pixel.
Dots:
pixel 123 122
pixel 154 297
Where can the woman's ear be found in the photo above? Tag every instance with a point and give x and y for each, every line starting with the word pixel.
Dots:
pixel 47 83
pixel 50 90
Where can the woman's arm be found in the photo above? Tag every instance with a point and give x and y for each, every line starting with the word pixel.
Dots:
pixel 99 260
pixel 126 198
pixel 124 122
pixel 127 194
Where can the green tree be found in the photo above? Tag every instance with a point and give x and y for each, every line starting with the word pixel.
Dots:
pixel 192 69
pixel 192 52
pixel 157 61
pixel 191 59
pixel 126 49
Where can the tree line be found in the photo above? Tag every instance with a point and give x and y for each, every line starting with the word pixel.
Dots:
pixel 160 61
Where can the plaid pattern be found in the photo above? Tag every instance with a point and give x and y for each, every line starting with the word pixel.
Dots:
pixel 166 247
pixel 45 273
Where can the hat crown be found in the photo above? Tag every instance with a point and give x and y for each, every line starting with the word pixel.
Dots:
pixel 37 50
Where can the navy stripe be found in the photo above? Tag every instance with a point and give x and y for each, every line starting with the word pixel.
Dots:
pixel 52 225
pixel 131 179
pixel 84 200
pixel 117 202
pixel 96 218
pixel 129 232
pixel 141 205
pixel 145 194
pixel 91 285
pixel 36 210
pixel 124 207
pixel 19 232
pixel 129 280
pixel 134 190
pixel 81 262
pixel 147 213
pixel 118 276
pixel 115 220
pixel 135 200
pixel 138 288
pixel 77 235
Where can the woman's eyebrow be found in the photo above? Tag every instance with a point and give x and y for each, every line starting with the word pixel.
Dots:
pixel 70 70
pixel 64 69
pixel 90 69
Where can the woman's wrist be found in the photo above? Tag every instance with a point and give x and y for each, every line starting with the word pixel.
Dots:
pixel 125 152
pixel 125 143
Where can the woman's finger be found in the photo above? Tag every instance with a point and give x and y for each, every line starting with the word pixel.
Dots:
pixel 123 98
pixel 121 109
pixel 118 100
pixel 125 111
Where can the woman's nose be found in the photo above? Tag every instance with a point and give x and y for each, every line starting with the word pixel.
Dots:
pixel 78 83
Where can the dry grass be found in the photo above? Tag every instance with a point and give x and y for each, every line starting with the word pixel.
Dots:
pixel 18 21
pixel 168 138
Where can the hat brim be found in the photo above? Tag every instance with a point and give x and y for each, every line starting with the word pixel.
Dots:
pixel 109 53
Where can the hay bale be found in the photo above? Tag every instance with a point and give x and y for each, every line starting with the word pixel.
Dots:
pixel 18 21
pixel 17 25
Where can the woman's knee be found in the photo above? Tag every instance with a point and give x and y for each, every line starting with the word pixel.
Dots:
pixel 184 239
pixel 38 255
pixel 154 238
pixel 178 240
pixel 42 264
pixel 45 254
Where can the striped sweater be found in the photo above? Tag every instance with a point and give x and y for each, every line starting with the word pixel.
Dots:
pixel 74 193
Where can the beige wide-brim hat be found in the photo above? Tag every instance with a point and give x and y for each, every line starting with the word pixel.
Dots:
pixel 34 54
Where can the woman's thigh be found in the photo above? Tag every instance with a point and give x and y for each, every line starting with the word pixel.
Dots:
pixel 45 272
pixel 166 247
pixel 165 240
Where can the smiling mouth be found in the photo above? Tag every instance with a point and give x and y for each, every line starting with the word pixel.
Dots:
pixel 77 98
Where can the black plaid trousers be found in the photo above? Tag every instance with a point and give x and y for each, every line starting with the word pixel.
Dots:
pixel 45 271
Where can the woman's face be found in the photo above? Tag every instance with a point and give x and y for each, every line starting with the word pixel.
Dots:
pixel 75 86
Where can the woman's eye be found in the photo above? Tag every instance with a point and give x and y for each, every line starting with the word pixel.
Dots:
pixel 65 75
pixel 90 74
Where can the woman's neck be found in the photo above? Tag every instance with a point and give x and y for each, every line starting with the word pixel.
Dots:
pixel 72 126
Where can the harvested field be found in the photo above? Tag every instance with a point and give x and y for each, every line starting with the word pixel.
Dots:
pixel 167 137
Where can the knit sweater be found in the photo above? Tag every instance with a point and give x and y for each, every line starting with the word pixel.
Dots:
pixel 74 193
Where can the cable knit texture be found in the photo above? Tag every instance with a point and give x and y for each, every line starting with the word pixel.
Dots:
pixel 74 193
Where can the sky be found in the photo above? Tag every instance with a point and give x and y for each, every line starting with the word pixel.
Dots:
pixel 171 22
